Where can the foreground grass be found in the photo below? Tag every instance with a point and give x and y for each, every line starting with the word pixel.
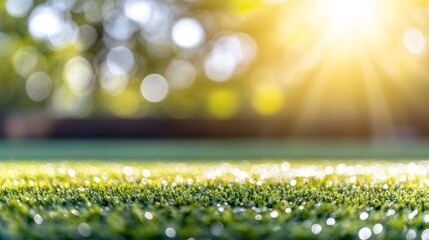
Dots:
pixel 237 200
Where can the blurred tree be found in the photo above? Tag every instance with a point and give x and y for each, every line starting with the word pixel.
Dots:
pixel 325 59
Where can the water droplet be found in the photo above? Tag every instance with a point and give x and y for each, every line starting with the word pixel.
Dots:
pixel 38 219
pixel 390 212
pixel 146 173
pixel 84 230
pixel 217 229
pixel 190 181
pixel 170 232
pixel 425 234
pixel 274 214
pixel 75 212
pixel 128 170
pixel 330 221
pixel 365 233
pixel 285 166
pixel 411 234
pixel 363 216
pixel 148 215
pixel 316 229
pixel 413 214
pixel 329 170
pixel 96 179
pixel 71 172
pixel 378 228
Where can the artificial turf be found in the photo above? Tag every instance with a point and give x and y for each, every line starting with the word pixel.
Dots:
pixel 214 200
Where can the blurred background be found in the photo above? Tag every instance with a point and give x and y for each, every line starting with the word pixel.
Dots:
pixel 210 68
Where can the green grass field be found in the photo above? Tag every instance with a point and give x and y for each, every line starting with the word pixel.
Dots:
pixel 214 200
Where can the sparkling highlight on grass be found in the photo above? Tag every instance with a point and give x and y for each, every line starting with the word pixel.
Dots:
pixel 227 200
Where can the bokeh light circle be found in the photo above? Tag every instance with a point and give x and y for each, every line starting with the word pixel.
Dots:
pixel 38 86
pixel 414 41
pixel 154 88
pixel 188 33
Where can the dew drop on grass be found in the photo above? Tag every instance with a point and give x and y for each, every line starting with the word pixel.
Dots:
pixel 146 173
pixel 217 229
pixel 274 214
pixel 288 210
pixel 148 215
pixel 84 230
pixel 38 219
pixel 285 166
pixel 190 181
pixel 71 173
pixel 258 217
pixel 425 234
pixel 128 170
pixel 293 182
pixel 329 170
pixel 75 212
pixel 363 216
pixel 31 211
pixel 378 228
pixel 316 229
pixel 426 218
pixel 390 212
pixel 330 221
pixel 413 214
pixel 364 233
pixel 341 169
pixel 96 179
pixel 170 232
pixel 411 234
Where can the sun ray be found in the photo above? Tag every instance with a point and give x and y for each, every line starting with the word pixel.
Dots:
pixel 365 47
pixel 409 90
pixel 312 107
pixel 379 111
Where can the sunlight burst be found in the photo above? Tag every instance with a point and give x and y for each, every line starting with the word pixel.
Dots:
pixel 369 59
pixel 349 14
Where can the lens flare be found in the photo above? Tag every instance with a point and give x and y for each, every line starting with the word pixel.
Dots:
pixel 349 14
